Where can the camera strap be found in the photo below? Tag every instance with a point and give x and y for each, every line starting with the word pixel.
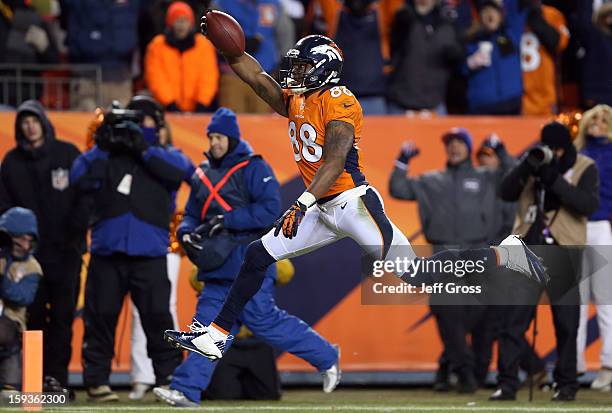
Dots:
pixel 540 198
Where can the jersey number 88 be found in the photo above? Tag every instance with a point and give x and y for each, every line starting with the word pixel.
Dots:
pixel 310 150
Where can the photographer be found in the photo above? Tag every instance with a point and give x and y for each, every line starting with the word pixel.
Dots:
pixel 19 277
pixel 556 190
pixel 219 224
pixel 130 180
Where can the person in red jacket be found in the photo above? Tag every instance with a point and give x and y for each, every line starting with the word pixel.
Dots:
pixel 181 65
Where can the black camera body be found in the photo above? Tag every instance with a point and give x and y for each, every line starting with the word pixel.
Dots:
pixel 119 130
pixel 539 156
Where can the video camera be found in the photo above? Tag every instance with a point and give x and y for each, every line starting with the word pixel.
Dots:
pixel 540 155
pixel 120 129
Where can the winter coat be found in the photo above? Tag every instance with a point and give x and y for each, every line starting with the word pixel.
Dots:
pixel 18 277
pixel 497 88
pixel 38 179
pixel 252 192
pixel 424 52
pixel 186 78
pixel 132 198
pixel 457 206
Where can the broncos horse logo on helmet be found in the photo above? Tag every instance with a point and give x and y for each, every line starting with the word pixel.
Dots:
pixel 314 62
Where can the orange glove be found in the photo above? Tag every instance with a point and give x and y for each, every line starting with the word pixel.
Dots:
pixel 290 221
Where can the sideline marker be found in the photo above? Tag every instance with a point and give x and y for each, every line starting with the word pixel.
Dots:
pixel 32 366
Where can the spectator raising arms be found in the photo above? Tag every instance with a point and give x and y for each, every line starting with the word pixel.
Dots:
pixel 545 37
pixel 181 65
pixel 493 63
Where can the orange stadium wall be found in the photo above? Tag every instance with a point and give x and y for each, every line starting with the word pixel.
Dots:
pixel 409 340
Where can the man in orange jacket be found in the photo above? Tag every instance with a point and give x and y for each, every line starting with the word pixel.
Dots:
pixel 180 65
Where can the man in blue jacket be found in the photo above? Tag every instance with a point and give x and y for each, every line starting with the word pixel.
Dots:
pixel 234 199
pixel 130 180
pixel 19 277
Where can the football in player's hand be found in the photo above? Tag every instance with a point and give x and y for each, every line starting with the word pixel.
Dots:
pixel 224 32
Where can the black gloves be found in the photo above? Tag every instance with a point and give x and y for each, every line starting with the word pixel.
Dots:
pixel 192 245
pixel 548 174
pixel 137 143
pixel 211 228
pixel 192 242
pixel 408 151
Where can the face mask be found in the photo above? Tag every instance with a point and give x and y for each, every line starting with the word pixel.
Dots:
pixel 150 135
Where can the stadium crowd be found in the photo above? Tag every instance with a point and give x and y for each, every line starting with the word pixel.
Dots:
pixel 425 56
pixel 444 56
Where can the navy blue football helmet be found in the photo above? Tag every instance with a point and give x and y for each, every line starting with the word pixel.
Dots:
pixel 314 62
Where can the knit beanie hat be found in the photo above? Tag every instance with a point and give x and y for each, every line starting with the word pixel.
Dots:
pixel 458 133
pixel 498 4
pixel 179 9
pixel 556 135
pixel 224 122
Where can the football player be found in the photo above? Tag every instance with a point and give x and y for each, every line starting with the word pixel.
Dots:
pixel 325 126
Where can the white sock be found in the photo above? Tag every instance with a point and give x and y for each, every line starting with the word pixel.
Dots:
pixel 216 334
pixel 502 255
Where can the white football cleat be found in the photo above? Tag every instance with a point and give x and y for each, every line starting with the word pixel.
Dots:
pixel 203 340
pixel 331 376
pixel 523 260
pixel 603 381
pixel 173 397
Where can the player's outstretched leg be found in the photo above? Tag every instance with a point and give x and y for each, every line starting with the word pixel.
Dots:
pixel 209 341
pixel 511 253
pixel 367 223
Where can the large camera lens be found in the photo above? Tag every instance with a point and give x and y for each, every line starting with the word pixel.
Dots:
pixel 540 155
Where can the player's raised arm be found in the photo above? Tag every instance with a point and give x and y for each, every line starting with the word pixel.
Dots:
pixel 339 138
pixel 251 72
pixel 221 34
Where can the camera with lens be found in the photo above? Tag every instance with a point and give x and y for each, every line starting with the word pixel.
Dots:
pixel 120 129
pixel 539 155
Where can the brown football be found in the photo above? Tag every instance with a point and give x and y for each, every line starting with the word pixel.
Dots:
pixel 225 33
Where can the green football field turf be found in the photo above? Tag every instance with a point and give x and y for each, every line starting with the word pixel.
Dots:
pixel 363 400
